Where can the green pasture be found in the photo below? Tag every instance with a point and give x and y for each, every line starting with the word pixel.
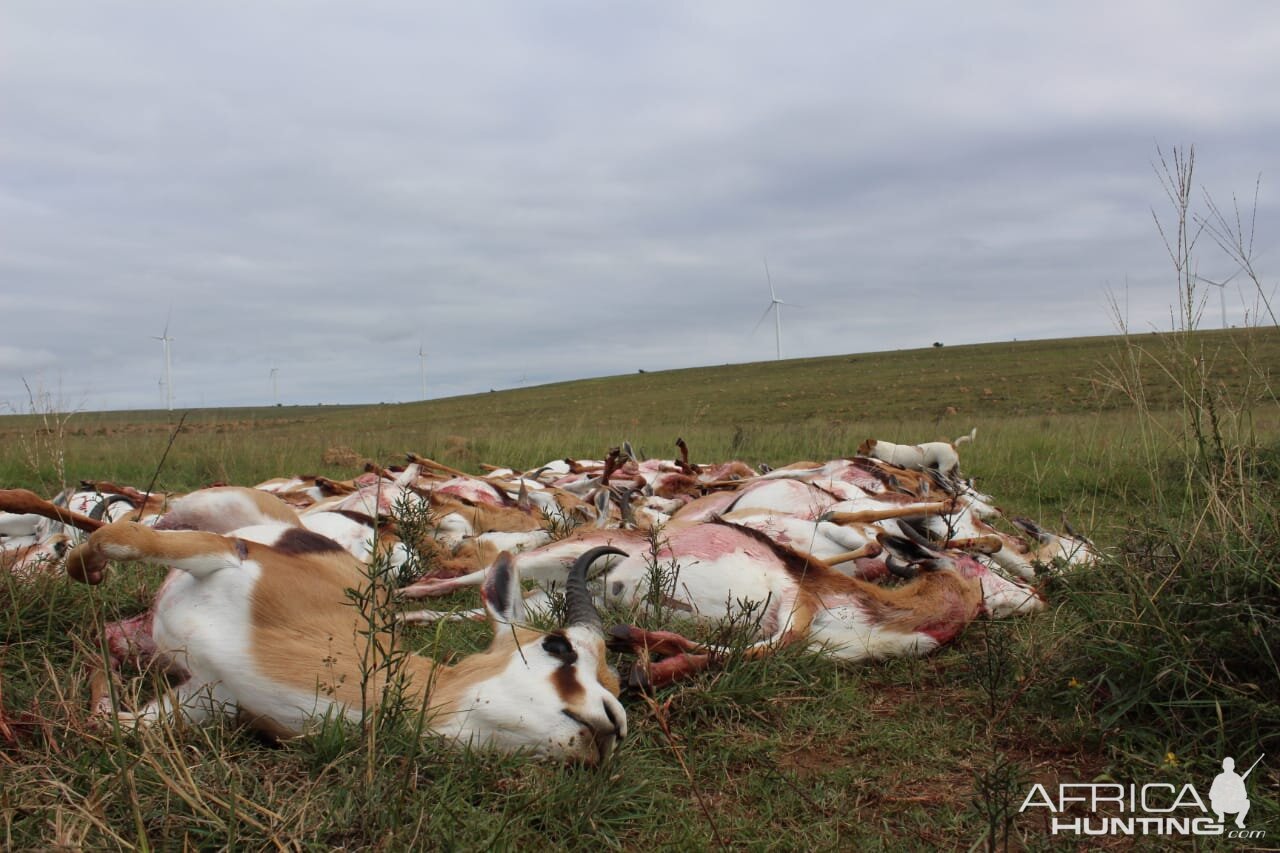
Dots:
pixel 1149 667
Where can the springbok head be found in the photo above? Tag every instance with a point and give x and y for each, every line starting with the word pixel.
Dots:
pixel 551 693
pixel 1072 549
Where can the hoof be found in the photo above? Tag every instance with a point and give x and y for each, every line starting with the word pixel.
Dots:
pixel 638 681
pixel 619 639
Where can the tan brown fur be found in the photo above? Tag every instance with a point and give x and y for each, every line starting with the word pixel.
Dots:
pixel 304 637
pixel 485 518
pixel 129 540
pixel 937 597
pixel 905 511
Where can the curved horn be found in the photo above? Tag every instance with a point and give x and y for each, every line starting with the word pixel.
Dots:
pixel 899 569
pixel 910 549
pixel 99 510
pixel 937 564
pixel 909 530
pixel 1032 529
pixel 578 607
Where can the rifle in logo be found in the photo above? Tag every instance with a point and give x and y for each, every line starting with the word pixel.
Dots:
pixel 1227 795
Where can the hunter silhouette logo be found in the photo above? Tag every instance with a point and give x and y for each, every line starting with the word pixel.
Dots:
pixel 1227 795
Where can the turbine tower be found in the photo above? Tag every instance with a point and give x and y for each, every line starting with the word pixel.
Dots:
pixel 168 367
pixel 422 369
pixel 775 305
pixel 275 386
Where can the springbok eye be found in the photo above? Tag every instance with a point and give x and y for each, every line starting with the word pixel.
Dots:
pixel 559 647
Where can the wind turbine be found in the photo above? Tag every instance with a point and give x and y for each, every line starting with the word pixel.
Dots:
pixel 1222 292
pixel 275 386
pixel 775 305
pixel 422 369
pixel 168 369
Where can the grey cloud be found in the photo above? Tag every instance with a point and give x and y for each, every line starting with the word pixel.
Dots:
pixel 554 190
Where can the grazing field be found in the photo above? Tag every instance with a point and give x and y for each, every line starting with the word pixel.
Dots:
pixel 1151 667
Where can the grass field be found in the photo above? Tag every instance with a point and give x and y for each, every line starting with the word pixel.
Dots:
pixel 1149 668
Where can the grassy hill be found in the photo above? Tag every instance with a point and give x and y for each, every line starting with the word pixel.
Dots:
pixel 773 411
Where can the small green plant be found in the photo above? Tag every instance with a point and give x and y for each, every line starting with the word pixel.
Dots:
pixel 661 578
pixel 558 523
pixel 388 699
pixel 994 664
pixel 416 526
pixel 999 786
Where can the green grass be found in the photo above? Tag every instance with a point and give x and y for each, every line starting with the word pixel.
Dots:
pixel 793 752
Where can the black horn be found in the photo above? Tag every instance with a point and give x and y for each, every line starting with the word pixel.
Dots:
pixel 100 508
pixel 578 607
pixel 899 569
pixel 1032 529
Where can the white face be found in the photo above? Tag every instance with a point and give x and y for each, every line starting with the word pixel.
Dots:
pixel 548 700
pixel 1004 597
pixel 1000 596
pixel 1073 552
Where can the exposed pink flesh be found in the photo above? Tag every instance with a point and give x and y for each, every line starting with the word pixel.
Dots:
pixel 714 541
pixel 948 624
pixel 430 587
pixel 794 497
pixel 855 476
pixel 869 568
pixel 475 491
pixel 380 494
pixel 130 641
pixel 968 567
pixel 711 505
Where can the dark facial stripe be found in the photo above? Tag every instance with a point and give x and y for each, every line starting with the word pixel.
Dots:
pixel 565 680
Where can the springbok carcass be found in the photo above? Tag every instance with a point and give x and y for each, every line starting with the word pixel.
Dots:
pixel 263 627
pixel 32 537
pixel 803 601
pixel 101 501
pixel 707 569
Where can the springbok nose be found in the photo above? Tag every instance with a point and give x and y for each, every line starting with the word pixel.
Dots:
pixel 605 731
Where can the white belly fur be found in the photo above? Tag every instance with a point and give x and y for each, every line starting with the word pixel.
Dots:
pixel 205 625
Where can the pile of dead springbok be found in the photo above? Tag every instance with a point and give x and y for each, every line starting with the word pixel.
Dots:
pixel 887 553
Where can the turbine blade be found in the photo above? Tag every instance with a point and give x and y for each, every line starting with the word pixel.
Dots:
pixel 763 317
pixel 769 278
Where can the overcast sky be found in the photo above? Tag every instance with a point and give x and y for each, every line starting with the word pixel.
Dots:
pixel 537 191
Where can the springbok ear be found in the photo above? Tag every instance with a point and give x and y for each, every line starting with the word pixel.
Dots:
pixel 503 597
